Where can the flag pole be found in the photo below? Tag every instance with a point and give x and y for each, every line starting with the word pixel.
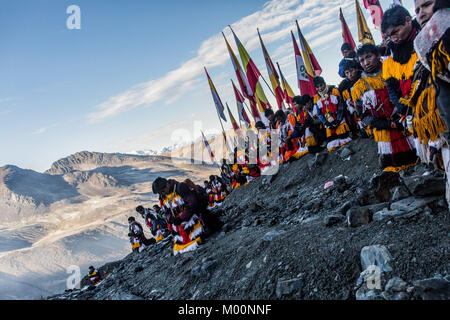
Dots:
pixel 282 82
pixel 212 159
pixel 257 29
pixel 248 109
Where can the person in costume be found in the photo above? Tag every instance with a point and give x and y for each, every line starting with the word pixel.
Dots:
pixel 183 211
pixel 288 135
pixel 94 275
pixel 431 90
pixel 156 225
pixel 264 139
pixel 218 189
pixel 429 127
pixel 136 234
pixel 398 69
pixel 210 193
pixel 352 71
pixel 349 55
pixel 371 98
pixel 329 108
pixel 307 126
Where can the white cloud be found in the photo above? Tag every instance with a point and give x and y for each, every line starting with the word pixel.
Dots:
pixel 274 21
pixel 40 130
pixel 43 129
pixel 7 99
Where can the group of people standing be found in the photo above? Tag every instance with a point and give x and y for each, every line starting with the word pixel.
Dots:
pixel 396 93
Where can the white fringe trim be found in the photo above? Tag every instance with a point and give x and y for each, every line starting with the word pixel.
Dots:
pixel 422 151
pixel 197 233
pixel 178 238
pixel 191 222
pixel 192 247
pixel 333 144
pixel 384 148
pixel 345 141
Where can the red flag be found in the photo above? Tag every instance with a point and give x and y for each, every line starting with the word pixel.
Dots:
pixel 242 79
pixel 312 65
pixel 233 121
pixel 288 94
pixel 376 11
pixel 346 34
pixel 208 147
pixel 240 106
pixel 305 83
pixel 252 73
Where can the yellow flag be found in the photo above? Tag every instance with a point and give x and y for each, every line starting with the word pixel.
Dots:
pixel 364 34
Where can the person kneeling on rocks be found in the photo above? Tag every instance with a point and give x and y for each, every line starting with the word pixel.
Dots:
pixel 330 110
pixel 182 212
pixel 157 226
pixel 94 275
pixel 137 237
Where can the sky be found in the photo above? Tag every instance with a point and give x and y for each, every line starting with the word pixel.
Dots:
pixel 131 78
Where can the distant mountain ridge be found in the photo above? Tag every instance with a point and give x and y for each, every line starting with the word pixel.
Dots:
pixel 75 213
pixel 86 160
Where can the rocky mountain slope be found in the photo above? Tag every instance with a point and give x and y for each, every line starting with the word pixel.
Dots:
pixel 328 226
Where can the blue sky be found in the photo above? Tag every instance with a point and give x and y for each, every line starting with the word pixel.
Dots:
pixel 133 73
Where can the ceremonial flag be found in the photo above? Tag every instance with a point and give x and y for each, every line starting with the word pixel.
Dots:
pixel 311 64
pixel 216 98
pixel 288 94
pixel 242 79
pixel 252 73
pixel 273 76
pixel 208 147
pixel 376 11
pixel 346 34
pixel 254 110
pixel 240 106
pixel 233 121
pixel 305 83
pixel 364 34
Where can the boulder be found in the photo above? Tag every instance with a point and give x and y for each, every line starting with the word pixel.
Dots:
pixel 357 217
pixel 318 160
pixel 364 294
pixel 383 183
pixel 399 192
pixel 333 219
pixel 376 255
pixel 395 295
pixel 433 288
pixel 341 183
pixel 412 203
pixel 422 186
pixel 344 208
pixel 288 287
pixel 345 152
pixel 396 284
pixel 386 214
pixel 375 207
